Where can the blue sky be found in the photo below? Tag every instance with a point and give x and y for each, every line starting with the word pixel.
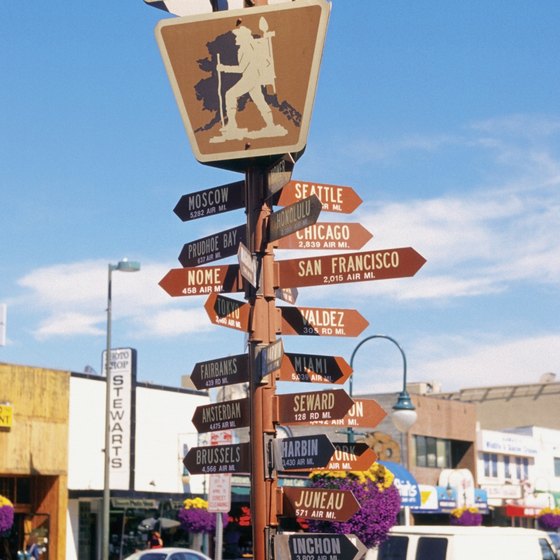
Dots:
pixel 443 116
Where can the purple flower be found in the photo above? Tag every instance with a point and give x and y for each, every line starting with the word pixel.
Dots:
pixel 468 517
pixel 549 521
pixel 6 518
pixel 198 520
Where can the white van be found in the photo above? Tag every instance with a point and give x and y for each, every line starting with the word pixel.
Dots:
pixel 465 543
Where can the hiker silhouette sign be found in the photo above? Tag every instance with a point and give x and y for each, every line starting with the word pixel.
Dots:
pixel 245 80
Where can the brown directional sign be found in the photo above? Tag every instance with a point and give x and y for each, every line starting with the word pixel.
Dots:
pixel 214 60
pixel 222 371
pixel 202 280
pixel 213 247
pixel 214 459
pixel 350 267
pixel 365 413
pixel 327 235
pixel 227 415
pixel 287 294
pixel 334 198
pixel 211 201
pixel 316 321
pixel 293 218
pixel 228 312
pixel 279 174
pixel 319 503
pixel 271 357
pixel 310 368
pixel 302 452
pixel 317 546
pixel 351 457
pixel 302 408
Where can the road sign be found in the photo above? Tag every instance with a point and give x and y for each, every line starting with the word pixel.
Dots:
pixel 293 218
pixel 228 312
pixel 351 457
pixel 271 357
pixel 211 201
pixel 288 295
pixel 316 321
pixel 319 503
pixel 310 368
pixel 247 264
pixel 202 280
pixel 269 55
pixel 213 459
pixel 227 415
pixel 222 371
pixel 212 248
pixel 302 452
pixel 219 493
pixel 365 413
pixel 334 198
pixel 327 235
pixel 279 174
pixel 350 267
pixel 317 546
pixel 302 408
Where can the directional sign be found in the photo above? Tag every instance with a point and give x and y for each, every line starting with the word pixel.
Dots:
pixel 302 408
pixel 317 546
pixel 310 368
pixel 202 280
pixel 319 503
pixel 303 452
pixel 288 295
pixel 211 459
pixel 351 457
pixel 350 267
pixel 365 413
pixel 227 415
pixel 334 198
pixel 222 371
pixel 215 60
pixel 212 248
pixel 294 217
pixel 247 264
pixel 211 201
pixel 316 321
pixel 279 174
pixel 228 312
pixel 327 235
pixel 271 357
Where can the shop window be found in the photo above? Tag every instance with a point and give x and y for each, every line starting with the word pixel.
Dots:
pixel 432 452
pixel 557 467
pixel 490 465
pixel 507 468
pixel 522 468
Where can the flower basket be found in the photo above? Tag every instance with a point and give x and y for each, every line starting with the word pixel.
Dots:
pixel 466 516
pixel 195 517
pixel 549 519
pixel 6 515
pixel 378 498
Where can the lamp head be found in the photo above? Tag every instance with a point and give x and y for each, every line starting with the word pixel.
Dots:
pixel 127 266
pixel 404 412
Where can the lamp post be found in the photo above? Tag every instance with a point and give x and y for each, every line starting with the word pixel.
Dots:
pixel 124 266
pixel 404 412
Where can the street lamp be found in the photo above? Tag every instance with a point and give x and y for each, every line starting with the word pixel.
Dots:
pixel 124 266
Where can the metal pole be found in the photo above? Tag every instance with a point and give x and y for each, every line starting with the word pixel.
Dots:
pixel 106 457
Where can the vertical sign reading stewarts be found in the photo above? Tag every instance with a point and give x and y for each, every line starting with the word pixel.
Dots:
pixel 245 80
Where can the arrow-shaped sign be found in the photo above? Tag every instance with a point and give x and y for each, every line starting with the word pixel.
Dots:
pixel 222 371
pixel 227 415
pixel 279 174
pixel 316 321
pixel 303 452
pixel 212 248
pixel 202 280
pixel 327 235
pixel 211 201
pixel 351 457
pixel 302 408
pixel 318 546
pixel 228 312
pixel 334 198
pixel 310 368
pixel 365 413
pixel 350 267
pixel 213 459
pixel 293 218
pixel 319 503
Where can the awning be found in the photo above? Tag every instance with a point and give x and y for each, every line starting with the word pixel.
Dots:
pixel 405 482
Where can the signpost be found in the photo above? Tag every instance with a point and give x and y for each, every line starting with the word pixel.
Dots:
pixel 202 280
pixel 365 413
pixel 213 459
pixel 220 372
pixel 228 312
pixel 271 357
pixel 213 247
pixel 351 457
pixel 318 546
pixel 310 368
pixel 292 218
pixel 319 503
pixel 279 174
pixel 227 415
pixel 327 235
pixel 303 452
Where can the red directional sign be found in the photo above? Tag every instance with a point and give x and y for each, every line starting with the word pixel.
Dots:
pixel 365 413
pixel 202 280
pixel 317 321
pixel 227 415
pixel 350 267
pixel 334 198
pixel 213 459
pixel 212 248
pixel 228 312
pixel 327 235
pixel 302 408
pixel 319 503
pixel 310 368
pixel 351 457
pixel 222 371
pixel 294 217
pixel 211 201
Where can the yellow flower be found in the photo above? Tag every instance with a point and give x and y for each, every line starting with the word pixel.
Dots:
pixel 547 510
pixel 377 473
pixel 199 503
pixel 458 512
pixel 5 502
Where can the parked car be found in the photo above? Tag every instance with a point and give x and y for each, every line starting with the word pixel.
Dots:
pixel 465 543
pixel 168 553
